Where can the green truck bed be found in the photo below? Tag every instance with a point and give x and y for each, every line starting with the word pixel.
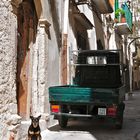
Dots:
pixel 76 94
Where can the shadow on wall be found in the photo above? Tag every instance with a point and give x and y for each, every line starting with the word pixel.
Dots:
pixel 79 28
pixel 55 17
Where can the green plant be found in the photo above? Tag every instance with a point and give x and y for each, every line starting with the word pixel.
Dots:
pixel 119 12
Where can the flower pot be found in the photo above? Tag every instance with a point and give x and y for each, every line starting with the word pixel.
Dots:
pixel 123 19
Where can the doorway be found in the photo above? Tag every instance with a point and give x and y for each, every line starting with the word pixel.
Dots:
pixel 27 28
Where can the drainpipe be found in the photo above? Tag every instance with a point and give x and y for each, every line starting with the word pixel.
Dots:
pixel 64 43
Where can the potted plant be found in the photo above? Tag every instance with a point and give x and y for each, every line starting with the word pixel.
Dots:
pixel 120 15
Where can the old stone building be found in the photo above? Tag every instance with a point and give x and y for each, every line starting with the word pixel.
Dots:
pixel 24 58
pixel 36 36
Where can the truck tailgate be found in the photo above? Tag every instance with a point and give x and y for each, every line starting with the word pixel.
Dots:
pixel 70 94
pixel 76 94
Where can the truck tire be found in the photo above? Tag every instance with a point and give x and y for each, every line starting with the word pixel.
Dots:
pixel 119 119
pixel 119 123
pixel 63 121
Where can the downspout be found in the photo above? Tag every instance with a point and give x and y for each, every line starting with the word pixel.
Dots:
pixel 64 43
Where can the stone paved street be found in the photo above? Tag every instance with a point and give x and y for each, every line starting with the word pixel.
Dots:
pixel 101 130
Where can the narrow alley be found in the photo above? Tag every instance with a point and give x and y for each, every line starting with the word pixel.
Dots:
pixel 69 59
pixel 89 130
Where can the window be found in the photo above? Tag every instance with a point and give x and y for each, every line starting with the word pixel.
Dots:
pixel 96 60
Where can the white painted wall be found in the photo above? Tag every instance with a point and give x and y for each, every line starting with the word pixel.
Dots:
pixel 45 55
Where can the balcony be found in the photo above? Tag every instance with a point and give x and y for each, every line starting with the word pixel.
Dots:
pixel 81 18
pixel 103 6
pixel 124 27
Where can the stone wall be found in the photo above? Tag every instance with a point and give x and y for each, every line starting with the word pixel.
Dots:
pixel 45 68
pixel 8 106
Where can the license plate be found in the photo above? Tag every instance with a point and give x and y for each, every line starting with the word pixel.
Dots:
pixel 102 111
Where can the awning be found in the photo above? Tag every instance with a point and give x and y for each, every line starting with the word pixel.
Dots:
pixel 83 20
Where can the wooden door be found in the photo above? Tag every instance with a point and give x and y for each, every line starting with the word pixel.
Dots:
pixel 27 19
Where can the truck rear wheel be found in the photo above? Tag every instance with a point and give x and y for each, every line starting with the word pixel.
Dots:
pixel 119 123
pixel 119 120
pixel 63 121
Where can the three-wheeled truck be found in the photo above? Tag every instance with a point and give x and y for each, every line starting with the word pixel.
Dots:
pixel 98 89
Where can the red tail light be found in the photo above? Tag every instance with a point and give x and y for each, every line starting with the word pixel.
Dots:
pixel 55 108
pixel 112 111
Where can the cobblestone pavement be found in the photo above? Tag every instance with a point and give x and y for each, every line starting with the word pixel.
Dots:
pixel 101 130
